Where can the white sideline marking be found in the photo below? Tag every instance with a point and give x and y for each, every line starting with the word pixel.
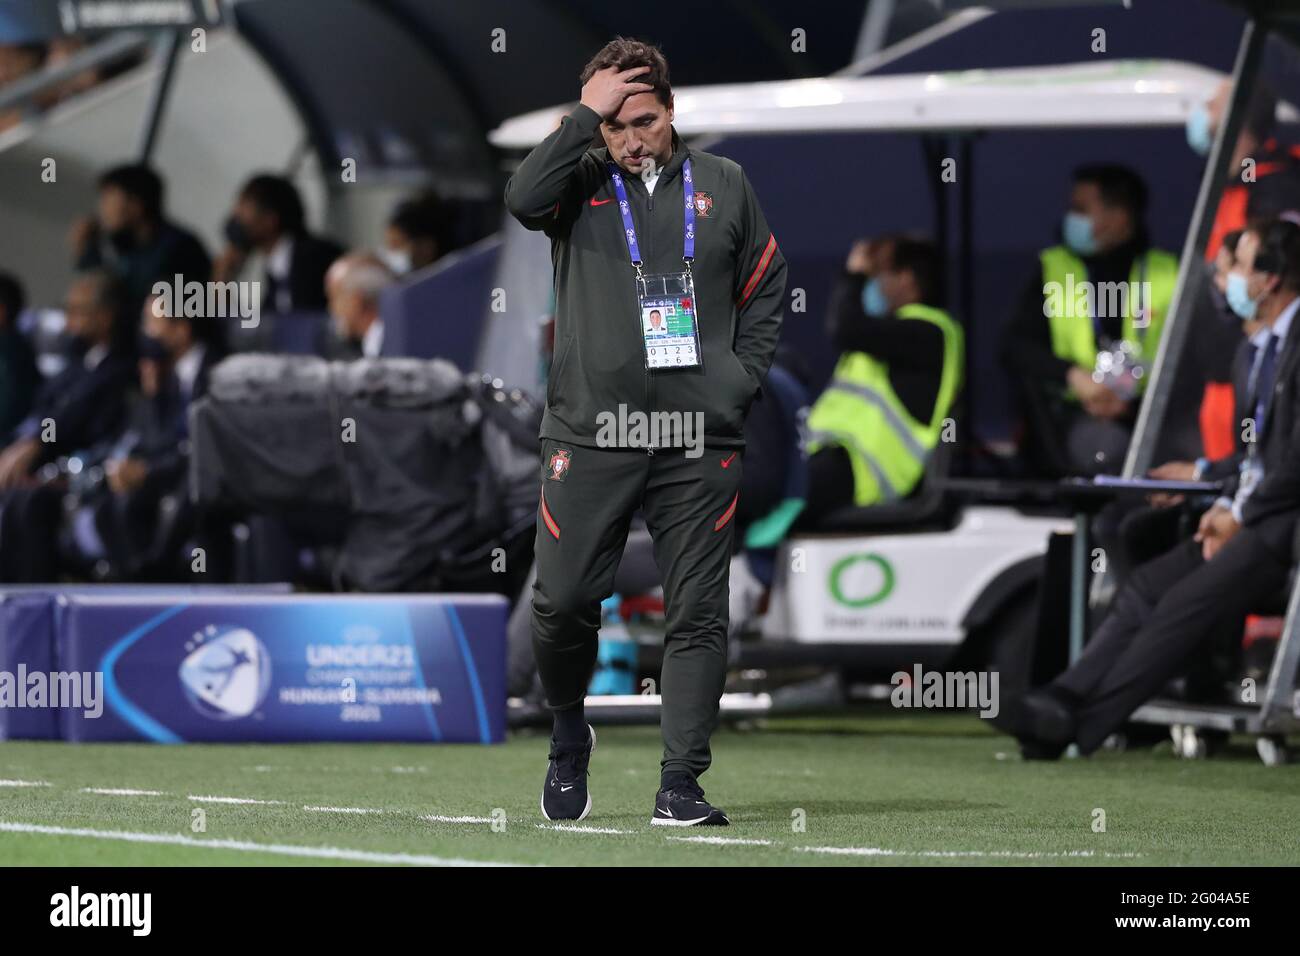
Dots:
pixel 342 810
pixel 23 783
pixel 122 792
pixel 721 841
pixel 247 846
pixel 998 854
pixel 267 803
pixel 436 818
pixel 571 828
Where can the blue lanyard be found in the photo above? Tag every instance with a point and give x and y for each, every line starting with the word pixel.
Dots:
pixel 629 230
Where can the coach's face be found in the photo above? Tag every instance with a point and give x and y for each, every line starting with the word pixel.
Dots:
pixel 642 130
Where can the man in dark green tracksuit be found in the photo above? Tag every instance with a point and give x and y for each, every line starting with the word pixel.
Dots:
pixel 635 420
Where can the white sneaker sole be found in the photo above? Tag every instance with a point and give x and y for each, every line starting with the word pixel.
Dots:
pixel 666 822
pixel 587 809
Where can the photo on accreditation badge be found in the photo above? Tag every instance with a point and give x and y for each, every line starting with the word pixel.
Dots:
pixel 940 511
pixel 654 320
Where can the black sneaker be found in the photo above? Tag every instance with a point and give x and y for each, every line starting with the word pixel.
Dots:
pixel 564 795
pixel 683 805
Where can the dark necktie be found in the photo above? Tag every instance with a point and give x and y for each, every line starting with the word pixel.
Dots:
pixel 1264 384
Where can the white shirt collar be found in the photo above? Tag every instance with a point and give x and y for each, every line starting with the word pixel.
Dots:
pixel 280 259
pixel 373 340
pixel 1282 324
pixel 187 367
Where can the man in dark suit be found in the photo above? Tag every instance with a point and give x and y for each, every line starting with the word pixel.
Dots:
pixel 1147 532
pixel 77 411
pixel 268 218
pixel 139 520
pixel 1177 606
pixel 132 237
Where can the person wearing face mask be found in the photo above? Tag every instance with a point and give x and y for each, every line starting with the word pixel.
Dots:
pixel 1273 185
pixel 1148 531
pixel 132 238
pixel 268 218
pixel 872 429
pixel 1191 602
pixel 1068 324
pixel 418 234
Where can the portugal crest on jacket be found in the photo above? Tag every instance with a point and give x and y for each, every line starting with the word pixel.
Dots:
pixel 558 468
pixel 703 205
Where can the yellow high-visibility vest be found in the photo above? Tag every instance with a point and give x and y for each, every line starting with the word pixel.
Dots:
pixel 860 411
pixel 1070 301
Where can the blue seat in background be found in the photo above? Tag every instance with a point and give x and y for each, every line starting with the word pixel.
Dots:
pixel 300 333
pixel 439 311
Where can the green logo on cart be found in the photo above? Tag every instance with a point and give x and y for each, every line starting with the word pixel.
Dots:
pixel 852 586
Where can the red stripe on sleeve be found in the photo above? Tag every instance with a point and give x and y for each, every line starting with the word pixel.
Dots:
pixel 759 270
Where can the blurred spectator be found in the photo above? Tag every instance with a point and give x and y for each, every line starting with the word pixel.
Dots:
pixel 354 284
pixel 61 50
pixel 1180 610
pixel 78 411
pixel 131 237
pixel 873 428
pixel 16 61
pixel 268 218
pixel 1274 186
pixel 137 523
pixel 418 234
pixel 1068 328
pixel 19 377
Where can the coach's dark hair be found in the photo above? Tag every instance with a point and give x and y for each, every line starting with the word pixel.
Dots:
pixel 140 183
pixel 12 298
pixel 1119 186
pixel 624 54
pixel 1279 251
pixel 277 195
pixel 921 258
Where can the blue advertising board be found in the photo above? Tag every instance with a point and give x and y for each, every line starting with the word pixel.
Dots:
pixel 286 668
pixel 26 648
pixel 30 687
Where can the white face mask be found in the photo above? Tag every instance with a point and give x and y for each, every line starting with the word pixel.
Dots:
pixel 398 260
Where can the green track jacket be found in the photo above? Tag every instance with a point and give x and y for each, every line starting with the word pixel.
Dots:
pixel 563 188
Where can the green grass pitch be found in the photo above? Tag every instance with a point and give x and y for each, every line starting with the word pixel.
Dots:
pixel 866 788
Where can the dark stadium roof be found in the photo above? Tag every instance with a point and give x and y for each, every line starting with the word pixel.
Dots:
pixel 417 84
pixel 413 83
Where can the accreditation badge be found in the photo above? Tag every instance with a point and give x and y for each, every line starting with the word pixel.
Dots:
pixel 670 330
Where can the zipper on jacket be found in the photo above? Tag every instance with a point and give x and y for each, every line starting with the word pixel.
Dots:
pixel 649 376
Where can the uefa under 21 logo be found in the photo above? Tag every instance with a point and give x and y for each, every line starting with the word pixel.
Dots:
pixel 227 673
